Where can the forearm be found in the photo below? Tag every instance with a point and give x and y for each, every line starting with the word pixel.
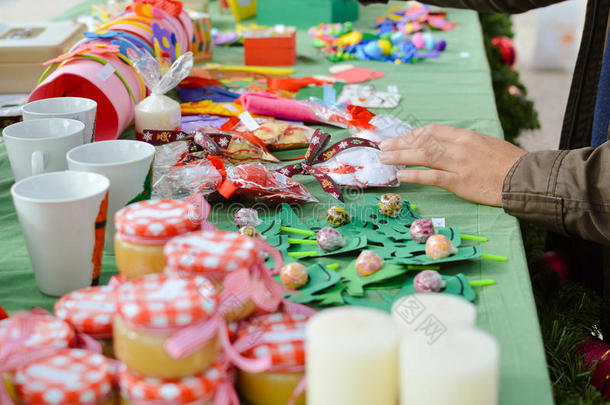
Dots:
pixel 567 191
pixel 494 6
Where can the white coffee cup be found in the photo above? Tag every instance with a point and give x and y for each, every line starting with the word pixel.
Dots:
pixel 62 215
pixel 40 146
pixel 126 163
pixel 77 108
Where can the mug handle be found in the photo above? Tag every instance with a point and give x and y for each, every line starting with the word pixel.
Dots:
pixel 37 162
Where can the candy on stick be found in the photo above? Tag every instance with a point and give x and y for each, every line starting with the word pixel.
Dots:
pixel 368 262
pixel 330 239
pixel 294 275
pixel 428 281
pixel 337 216
pixel 390 205
pixel 439 247
pixel 421 230
pixel 247 216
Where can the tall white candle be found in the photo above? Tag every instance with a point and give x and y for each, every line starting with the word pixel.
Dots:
pixel 351 358
pixel 461 367
pixel 432 313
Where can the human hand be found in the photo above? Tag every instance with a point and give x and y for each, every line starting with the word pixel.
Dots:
pixel 467 163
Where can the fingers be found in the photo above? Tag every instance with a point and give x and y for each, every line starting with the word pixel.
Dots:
pixel 436 178
pixel 408 140
pixel 416 137
pixel 415 157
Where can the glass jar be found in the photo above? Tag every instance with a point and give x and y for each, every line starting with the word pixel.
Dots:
pixel 143 228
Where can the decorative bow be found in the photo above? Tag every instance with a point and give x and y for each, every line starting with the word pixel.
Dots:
pixel 317 154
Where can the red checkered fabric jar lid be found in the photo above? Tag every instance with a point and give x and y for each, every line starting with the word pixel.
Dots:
pixel 89 310
pixel 280 335
pixel 156 220
pixel 164 301
pixel 209 252
pixel 193 390
pixel 48 331
pixel 72 376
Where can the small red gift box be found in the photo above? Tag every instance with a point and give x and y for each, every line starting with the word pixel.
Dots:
pixel 273 49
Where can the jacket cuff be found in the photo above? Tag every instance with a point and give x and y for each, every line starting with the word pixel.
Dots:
pixel 529 189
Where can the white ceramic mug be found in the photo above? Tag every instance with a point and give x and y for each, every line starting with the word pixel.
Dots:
pixel 128 166
pixel 77 108
pixel 40 146
pixel 63 216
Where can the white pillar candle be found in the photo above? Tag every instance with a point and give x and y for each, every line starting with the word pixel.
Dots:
pixel 461 367
pixel 432 313
pixel 159 112
pixel 352 358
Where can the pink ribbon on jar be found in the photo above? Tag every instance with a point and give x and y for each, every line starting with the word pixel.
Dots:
pixel 20 328
pixel 188 340
pixel 225 393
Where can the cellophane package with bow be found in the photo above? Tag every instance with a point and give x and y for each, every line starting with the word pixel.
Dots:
pixel 158 111
pixel 361 167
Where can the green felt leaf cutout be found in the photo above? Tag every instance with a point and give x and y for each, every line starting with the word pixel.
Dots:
pixel 456 285
pixel 320 278
pixel 395 228
pixel 356 283
pixel 331 296
pixel 352 243
pixel 464 253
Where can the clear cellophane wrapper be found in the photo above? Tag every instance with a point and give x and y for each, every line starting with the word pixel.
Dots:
pixel 259 183
pixel 178 172
pixel 176 175
pixel 361 167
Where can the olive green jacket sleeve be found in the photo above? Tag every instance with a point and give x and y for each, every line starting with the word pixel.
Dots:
pixel 497 6
pixel 567 191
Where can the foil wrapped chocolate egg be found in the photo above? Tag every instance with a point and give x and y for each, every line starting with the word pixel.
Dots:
pixel 330 239
pixel 439 247
pixel 421 230
pixel 428 281
pixel 294 275
pixel 247 217
pixel 390 205
pixel 368 263
pixel 337 216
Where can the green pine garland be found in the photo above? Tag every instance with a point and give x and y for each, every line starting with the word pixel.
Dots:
pixel 516 111
pixel 568 313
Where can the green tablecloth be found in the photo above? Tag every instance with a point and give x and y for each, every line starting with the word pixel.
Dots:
pixel 454 89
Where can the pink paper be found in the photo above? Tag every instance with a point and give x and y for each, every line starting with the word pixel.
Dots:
pixel 79 78
pixel 270 104
pixel 358 75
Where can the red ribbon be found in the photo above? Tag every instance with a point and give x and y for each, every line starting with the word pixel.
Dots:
pixel 316 153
